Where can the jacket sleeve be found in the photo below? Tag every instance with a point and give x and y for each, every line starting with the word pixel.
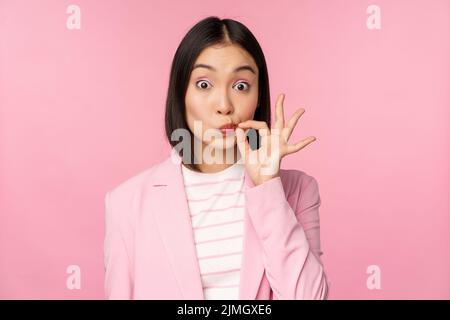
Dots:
pixel 116 261
pixel 290 239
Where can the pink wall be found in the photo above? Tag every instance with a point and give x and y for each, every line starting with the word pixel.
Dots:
pixel 81 110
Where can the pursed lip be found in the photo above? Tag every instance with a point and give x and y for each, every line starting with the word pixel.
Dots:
pixel 228 126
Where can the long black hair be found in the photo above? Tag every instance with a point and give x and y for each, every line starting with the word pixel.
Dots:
pixel 207 32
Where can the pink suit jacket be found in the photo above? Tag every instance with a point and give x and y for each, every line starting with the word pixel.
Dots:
pixel 149 250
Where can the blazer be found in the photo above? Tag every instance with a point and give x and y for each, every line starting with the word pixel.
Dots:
pixel 149 250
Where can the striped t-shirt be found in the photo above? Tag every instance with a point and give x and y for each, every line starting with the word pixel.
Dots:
pixel 217 206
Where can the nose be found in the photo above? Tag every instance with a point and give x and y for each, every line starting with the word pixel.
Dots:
pixel 224 107
pixel 224 110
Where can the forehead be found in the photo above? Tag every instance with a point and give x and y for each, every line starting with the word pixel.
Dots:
pixel 225 58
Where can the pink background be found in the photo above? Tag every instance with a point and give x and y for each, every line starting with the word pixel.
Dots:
pixel 83 110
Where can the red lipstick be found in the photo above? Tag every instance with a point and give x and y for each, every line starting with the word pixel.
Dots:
pixel 228 128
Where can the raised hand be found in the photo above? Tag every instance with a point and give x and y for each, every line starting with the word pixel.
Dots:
pixel 264 163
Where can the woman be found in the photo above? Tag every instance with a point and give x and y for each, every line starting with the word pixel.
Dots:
pixel 218 219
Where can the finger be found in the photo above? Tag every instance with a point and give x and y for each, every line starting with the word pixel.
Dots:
pixel 264 143
pixel 300 145
pixel 279 111
pixel 258 125
pixel 293 121
pixel 242 143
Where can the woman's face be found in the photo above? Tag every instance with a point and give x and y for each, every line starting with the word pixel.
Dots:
pixel 222 89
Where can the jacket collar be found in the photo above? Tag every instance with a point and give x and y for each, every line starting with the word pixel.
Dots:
pixel 173 221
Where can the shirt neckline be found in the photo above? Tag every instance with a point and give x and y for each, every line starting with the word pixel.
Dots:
pixel 232 170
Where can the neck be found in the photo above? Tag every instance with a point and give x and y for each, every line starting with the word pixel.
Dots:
pixel 216 167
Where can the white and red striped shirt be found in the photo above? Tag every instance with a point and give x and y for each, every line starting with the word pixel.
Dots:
pixel 217 206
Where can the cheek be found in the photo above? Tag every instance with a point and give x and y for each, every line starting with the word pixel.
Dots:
pixel 248 109
pixel 194 107
pixel 196 111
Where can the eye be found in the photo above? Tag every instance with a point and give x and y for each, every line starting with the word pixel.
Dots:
pixel 203 84
pixel 241 85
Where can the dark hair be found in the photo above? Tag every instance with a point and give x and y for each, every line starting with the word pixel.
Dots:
pixel 207 32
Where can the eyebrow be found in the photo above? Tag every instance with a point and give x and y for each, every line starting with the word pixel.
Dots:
pixel 245 67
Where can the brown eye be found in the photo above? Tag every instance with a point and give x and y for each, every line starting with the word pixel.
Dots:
pixel 242 86
pixel 203 84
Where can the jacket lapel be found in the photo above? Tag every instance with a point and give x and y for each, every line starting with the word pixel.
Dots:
pixel 166 197
pixel 252 264
pixel 169 204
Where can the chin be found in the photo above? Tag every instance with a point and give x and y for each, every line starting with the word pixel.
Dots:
pixel 223 143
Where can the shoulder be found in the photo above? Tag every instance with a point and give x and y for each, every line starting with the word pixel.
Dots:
pixel 128 190
pixel 299 184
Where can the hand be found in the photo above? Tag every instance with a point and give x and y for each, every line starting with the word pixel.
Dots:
pixel 262 165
